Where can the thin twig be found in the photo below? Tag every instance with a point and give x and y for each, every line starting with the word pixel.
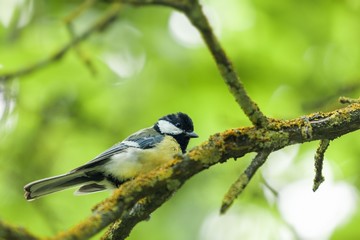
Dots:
pixel 82 55
pixel 78 11
pixel 319 159
pixel 68 20
pixel 240 184
pixel 177 4
pixel 99 25
pixel 269 187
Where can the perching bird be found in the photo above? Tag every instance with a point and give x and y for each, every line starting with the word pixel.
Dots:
pixel 139 153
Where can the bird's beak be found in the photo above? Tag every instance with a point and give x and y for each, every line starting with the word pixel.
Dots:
pixel 191 135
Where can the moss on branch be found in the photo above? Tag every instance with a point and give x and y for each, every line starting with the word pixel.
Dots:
pixel 135 200
pixel 232 143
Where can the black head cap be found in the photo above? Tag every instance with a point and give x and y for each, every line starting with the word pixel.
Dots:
pixel 178 125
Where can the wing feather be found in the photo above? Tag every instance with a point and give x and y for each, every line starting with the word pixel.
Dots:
pixel 145 139
pixel 103 157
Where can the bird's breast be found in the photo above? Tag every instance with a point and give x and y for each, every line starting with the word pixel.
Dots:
pixel 134 161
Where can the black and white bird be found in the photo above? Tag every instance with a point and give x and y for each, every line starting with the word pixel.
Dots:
pixel 138 153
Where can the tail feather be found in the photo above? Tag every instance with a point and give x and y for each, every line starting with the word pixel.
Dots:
pixel 91 188
pixel 46 186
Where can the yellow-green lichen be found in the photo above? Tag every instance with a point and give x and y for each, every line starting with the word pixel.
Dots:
pixel 209 152
pixel 236 188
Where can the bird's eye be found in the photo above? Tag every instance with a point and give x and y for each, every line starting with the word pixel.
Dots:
pixel 177 124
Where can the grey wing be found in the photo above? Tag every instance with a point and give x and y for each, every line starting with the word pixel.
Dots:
pixel 103 157
pixel 148 142
pixel 144 139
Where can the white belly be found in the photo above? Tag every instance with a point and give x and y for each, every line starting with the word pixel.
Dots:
pixel 134 161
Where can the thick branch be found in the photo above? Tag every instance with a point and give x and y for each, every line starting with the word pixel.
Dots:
pixel 233 143
pixel 140 212
pixel 126 203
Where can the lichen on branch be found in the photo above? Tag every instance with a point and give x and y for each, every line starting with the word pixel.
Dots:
pixel 135 200
pixel 233 143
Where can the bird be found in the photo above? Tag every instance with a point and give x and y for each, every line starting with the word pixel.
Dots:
pixel 141 152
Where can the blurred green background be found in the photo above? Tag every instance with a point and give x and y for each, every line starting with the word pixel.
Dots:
pixel 294 57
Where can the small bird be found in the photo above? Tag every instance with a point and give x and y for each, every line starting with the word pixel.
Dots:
pixel 138 153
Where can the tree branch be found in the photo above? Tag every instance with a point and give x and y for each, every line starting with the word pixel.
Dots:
pixel 161 183
pixel 12 232
pixel 197 17
pixel 69 24
pixel 193 10
pixel 319 159
pixel 140 212
pixel 232 143
pixel 135 200
pixel 240 184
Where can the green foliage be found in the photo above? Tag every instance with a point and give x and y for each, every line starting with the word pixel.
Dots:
pixel 294 57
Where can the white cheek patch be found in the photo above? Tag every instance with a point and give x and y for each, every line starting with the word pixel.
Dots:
pixel 168 128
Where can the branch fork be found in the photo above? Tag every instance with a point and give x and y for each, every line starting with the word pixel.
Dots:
pixel 135 200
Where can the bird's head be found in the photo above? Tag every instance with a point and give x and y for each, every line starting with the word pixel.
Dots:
pixel 178 125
